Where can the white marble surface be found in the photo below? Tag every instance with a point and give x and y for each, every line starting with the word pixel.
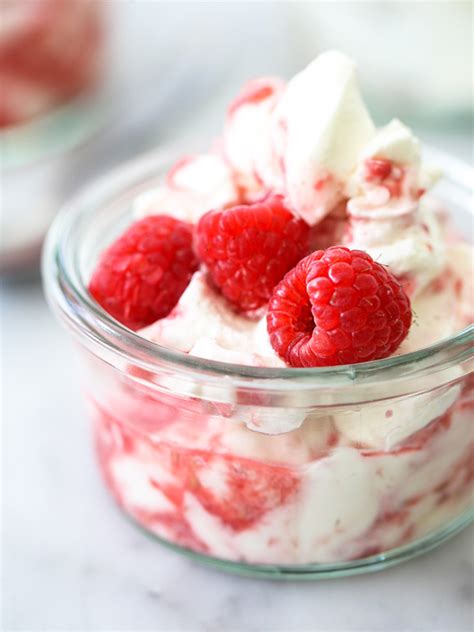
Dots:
pixel 71 562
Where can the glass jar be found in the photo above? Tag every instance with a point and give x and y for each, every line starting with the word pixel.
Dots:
pixel 50 53
pixel 299 473
pixel 52 73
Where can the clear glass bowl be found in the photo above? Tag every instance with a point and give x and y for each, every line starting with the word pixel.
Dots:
pixel 300 473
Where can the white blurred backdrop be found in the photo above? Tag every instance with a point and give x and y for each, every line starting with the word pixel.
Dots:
pixel 172 67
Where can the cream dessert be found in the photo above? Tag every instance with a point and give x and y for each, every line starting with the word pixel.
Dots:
pixel 304 238
pixel 49 54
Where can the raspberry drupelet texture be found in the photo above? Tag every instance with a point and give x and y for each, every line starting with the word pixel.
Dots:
pixel 337 306
pixel 142 275
pixel 248 249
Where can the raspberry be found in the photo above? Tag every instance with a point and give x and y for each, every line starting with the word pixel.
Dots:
pixel 141 276
pixel 248 249
pixel 337 306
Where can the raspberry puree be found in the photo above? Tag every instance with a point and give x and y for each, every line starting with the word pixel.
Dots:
pixel 311 495
pixel 251 477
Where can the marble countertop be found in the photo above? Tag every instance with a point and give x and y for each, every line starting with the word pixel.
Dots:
pixel 72 562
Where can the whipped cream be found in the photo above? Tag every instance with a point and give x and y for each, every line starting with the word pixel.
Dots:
pixel 461 261
pixel 324 126
pixel 363 500
pixel 313 141
pixel 345 507
pixel 213 331
pixel 302 139
pixel 203 324
pixel 387 218
pixel 411 243
pixel 395 142
pixel 210 349
pixel 372 196
pixel 439 311
pixel 383 426
pixel 200 311
pixel 248 144
pixel 196 185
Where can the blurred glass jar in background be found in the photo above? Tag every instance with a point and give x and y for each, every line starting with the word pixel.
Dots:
pixel 433 40
pixel 48 55
pixel 51 69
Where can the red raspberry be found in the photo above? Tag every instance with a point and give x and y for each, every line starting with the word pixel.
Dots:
pixel 141 276
pixel 248 249
pixel 337 306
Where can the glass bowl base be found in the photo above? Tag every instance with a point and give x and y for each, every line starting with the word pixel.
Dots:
pixel 331 570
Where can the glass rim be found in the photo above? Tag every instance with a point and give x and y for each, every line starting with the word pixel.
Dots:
pixel 68 295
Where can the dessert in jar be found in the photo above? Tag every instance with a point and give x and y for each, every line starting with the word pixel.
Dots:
pixel 49 54
pixel 277 338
